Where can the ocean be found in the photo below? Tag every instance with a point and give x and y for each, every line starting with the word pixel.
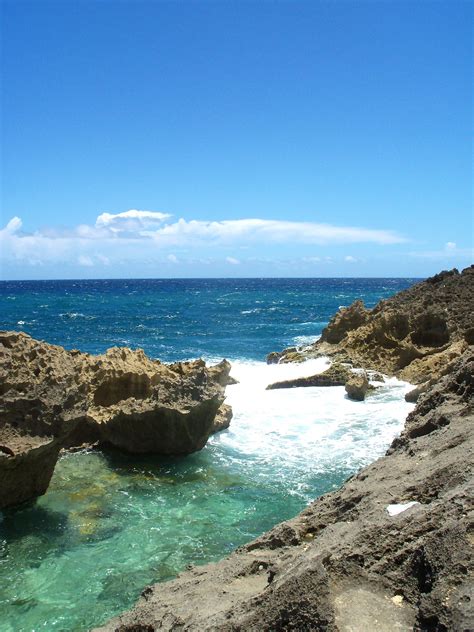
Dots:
pixel 112 523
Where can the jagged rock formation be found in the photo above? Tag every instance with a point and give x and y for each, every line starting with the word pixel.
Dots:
pixel 50 397
pixel 336 375
pixel 357 384
pixel 413 335
pixel 391 550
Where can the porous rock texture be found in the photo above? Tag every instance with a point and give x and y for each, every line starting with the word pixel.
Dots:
pixel 357 386
pixel 390 550
pixel 52 398
pixel 414 335
pixel 335 375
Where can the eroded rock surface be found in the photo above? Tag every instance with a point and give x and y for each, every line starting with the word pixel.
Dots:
pixel 50 397
pixel 357 386
pixel 414 335
pixel 390 550
pixel 335 375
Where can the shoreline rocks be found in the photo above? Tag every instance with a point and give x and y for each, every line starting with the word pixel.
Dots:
pixel 391 549
pixel 414 335
pixel 335 375
pixel 122 398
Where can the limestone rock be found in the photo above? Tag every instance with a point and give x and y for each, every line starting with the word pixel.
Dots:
pixel 357 386
pixel 346 319
pixel 26 466
pixel 60 398
pixel 345 561
pixel 413 335
pixel 336 375
pixel 292 354
pixel 223 418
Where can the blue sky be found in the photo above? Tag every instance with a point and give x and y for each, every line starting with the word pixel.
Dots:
pixel 176 139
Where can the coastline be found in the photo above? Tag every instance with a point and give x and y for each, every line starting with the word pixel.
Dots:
pixel 293 534
pixel 392 549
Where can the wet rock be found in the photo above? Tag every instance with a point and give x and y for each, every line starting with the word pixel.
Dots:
pixel 223 418
pixel 357 386
pixel 413 395
pixel 292 354
pixel 274 357
pixel 336 375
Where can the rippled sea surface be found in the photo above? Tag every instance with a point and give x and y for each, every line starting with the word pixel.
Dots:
pixel 111 523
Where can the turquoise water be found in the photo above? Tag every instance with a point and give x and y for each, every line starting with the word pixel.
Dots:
pixel 111 523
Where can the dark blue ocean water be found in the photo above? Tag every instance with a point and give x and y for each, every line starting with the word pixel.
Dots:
pixel 184 318
pixel 111 523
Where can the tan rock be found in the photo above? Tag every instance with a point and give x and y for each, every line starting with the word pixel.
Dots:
pixel 357 386
pixel 122 397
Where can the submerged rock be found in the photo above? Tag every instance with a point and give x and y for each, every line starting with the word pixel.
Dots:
pixel 60 398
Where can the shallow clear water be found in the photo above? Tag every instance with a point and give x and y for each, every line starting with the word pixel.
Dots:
pixel 111 523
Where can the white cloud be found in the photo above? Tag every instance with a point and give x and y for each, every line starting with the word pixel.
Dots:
pixel 144 234
pixel 83 260
pixel 264 231
pixel 12 227
pixel 450 251
pixel 350 259
pixel 132 221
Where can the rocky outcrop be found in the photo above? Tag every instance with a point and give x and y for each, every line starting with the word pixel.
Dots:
pixel 335 375
pixel 414 335
pixel 347 319
pixel 50 397
pixel 390 550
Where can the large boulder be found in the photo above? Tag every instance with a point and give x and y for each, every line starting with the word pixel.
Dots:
pixel 357 386
pixel 26 465
pixel 58 398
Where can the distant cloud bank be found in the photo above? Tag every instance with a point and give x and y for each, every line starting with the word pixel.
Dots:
pixel 145 238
